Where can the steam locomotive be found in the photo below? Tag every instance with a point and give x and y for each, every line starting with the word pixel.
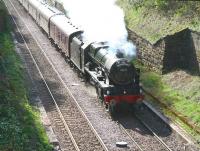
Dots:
pixel 115 78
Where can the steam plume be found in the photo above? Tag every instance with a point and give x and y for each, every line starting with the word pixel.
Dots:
pixel 101 20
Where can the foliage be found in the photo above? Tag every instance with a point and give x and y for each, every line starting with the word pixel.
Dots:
pixel 151 81
pixel 164 5
pixel 154 19
pixel 20 127
pixel 177 99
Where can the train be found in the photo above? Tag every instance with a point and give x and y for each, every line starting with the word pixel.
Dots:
pixel 116 79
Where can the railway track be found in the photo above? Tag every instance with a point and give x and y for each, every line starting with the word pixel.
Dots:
pixel 142 134
pixel 38 90
pixel 164 137
pixel 67 112
pixel 57 114
pixel 176 140
pixel 165 146
pixel 75 128
pixel 175 113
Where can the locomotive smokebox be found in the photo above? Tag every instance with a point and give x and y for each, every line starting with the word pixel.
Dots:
pixel 119 70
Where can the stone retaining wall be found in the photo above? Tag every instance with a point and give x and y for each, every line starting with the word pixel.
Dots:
pixel 150 55
pixel 178 51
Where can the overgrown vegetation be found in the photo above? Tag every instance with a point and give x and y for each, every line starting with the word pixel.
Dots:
pixel 153 19
pixel 20 127
pixel 182 100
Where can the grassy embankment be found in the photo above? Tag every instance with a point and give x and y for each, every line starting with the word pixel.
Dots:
pixel 20 126
pixel 154 19
pixel 181 97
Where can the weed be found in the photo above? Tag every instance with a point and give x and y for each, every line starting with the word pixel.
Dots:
pixel 20 126
pixel 154 19
pixel 174 99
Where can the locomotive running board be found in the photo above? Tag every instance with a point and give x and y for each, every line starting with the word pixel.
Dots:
pixel 95 76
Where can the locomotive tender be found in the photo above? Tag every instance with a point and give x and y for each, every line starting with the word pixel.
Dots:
pixel 115 78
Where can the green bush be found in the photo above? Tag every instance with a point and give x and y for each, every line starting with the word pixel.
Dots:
pixel 151 80
pixel 20 126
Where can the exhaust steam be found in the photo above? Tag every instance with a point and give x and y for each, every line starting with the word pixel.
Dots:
pixel 101 20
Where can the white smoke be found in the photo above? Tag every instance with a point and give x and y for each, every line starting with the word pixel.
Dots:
pixel 101 20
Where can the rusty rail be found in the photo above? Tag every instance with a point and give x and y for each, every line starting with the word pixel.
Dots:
pixel 184 119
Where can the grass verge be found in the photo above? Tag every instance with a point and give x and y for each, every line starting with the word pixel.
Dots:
pixel 154 19
pixel 175 99
pixel 20 126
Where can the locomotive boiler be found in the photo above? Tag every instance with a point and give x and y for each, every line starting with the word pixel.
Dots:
pixel 119 70
pixel 115 78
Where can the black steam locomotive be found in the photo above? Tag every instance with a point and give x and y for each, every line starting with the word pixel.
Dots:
pixel 115 78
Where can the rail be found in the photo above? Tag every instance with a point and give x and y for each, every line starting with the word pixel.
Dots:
pixel 154 134
pixel 43 79
pixel 176 113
